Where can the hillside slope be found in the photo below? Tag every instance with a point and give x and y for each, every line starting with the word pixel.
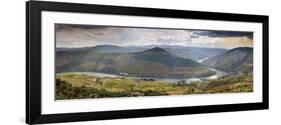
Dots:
pixel 235 60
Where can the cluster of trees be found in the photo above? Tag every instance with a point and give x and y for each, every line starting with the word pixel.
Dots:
pixel 65 90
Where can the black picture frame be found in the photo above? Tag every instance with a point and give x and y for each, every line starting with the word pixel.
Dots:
pixel 33 61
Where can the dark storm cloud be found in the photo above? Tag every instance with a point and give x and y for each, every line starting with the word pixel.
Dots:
pixel 71 26
pixel 224 34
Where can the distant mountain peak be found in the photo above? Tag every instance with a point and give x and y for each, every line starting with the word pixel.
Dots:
pixel 105 46
pixel 107 49
pixel 157 50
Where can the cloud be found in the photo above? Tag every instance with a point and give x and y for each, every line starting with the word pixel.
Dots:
pixel 88 35
pixel 225 34
pixel 221 42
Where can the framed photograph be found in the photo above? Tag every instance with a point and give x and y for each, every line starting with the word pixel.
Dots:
pixel 95 62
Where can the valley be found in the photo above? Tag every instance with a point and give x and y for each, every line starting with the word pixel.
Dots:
pixel 112 71
pixel 154 62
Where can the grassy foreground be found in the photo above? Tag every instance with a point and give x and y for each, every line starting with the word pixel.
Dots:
pixel 74 86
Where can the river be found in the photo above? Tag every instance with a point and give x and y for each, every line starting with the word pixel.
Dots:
pixel 218 74
pixel 201 60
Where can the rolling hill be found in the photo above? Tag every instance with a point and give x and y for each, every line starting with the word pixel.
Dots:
pixel 154 62
pixel 164 57
pixel 235 60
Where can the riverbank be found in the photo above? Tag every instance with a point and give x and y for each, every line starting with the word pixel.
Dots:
pixel 217 74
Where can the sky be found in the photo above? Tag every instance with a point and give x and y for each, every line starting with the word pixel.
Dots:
pixel 76 36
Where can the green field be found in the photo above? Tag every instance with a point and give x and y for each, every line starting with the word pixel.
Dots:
pixel 75 86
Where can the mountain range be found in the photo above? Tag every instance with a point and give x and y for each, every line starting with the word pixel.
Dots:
pixel 154 62
pixel 194 53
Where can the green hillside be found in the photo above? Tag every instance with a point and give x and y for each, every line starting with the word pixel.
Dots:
pixel 74 86
pixel 235 60
pixel 155 62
